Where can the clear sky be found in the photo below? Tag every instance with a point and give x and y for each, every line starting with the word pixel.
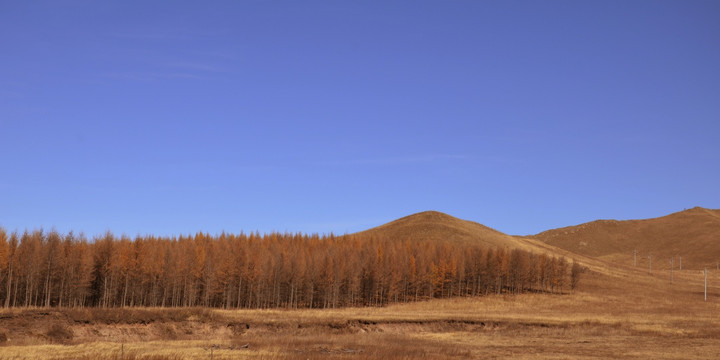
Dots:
pixel 172 117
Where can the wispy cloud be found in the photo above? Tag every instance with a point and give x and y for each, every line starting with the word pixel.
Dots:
pixel 153 76
pixel 173 70
pixel 158 34
pixel 200 67
pixel 397 160
pixel 410 159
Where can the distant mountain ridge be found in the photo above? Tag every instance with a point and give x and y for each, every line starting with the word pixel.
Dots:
pixel 692 234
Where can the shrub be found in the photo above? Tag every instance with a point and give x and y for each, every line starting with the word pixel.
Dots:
pixel 59 334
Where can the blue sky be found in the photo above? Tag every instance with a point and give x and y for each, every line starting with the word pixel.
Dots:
pixel 172 117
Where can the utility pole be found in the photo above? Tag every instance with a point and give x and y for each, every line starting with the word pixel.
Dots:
pixel 635 258
pixel 681 263
pixel 705 284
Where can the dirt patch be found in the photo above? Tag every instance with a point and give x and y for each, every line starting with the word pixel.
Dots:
pixel 59 334
pixel 238 328
pixel 139 325
pixel 138 316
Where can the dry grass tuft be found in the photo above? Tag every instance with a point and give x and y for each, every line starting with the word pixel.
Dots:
pixel 139 315
pixel 59 333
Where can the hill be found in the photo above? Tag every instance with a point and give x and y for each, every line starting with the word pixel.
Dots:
pixel 692 234
pixel 644 314
pixel 437 226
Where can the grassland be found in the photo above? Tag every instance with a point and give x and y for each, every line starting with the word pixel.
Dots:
pixel 631 315
pixel 618 311
pixel 692 234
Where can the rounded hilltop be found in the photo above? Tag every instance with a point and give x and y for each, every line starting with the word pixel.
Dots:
pixel 433 225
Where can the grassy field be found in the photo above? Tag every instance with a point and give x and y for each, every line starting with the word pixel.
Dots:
pixel 629 315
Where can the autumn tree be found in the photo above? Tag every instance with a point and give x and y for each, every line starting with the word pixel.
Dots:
pixel 5 258
pixel 575 272
pixel 261 271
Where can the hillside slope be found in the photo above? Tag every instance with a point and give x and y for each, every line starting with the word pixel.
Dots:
pixel 693 234
pixel 437 226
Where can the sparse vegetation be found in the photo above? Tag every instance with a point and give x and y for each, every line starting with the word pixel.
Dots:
pixel 606 318
pixel 632 315
pixel 59 333
pixel 616 311
pixel 688 234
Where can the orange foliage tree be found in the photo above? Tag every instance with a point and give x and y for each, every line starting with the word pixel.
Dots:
pixel 260 271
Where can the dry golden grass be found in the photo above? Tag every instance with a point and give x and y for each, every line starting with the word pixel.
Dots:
pixel 618 311
pixel 436 226
pixel 635 315
pixel 692 234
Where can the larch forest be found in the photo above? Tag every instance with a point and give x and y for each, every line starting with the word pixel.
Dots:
pixel 48 269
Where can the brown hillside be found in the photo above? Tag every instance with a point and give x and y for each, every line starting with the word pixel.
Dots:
pixel 437 226
pixel 693 234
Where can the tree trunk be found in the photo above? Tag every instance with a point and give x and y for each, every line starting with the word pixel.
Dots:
pixel 9 288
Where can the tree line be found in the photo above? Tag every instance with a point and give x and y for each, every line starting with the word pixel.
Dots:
pixel 274 270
